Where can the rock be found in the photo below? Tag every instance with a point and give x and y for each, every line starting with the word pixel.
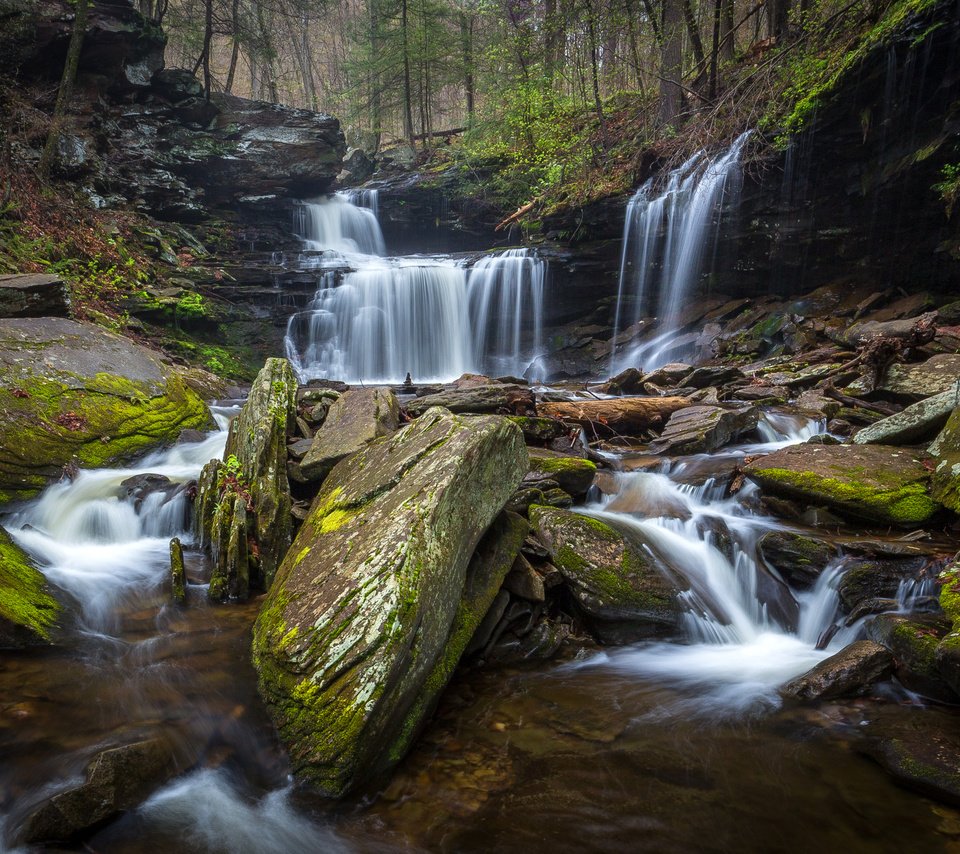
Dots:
pixel 488 625
pixel 357 417
pixel 849 673
pixel 524 581
pixel 117 780
pixel 862 332
pixel 357 167
pixel 539 429
pixel 702 429
pixel 947 653
pixel 622 595
pixel 176 85
pixel 502 398
pixel 914 643
pixel 363 624
pixel 648 495
pixel 629 381
pixel 872 579
pixel 178 576
pixel 712 375
pixel 914 382
pixel 874 482
pixel 798 558
pixel 72 390
pixel 914 424
pixel 945 483
pixel 246 499
pixel 669 376
pixel 571 474
pixel 28 613
pixel 33 295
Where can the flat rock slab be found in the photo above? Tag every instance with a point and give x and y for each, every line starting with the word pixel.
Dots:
pixel 848 673
pixel 917 422
pixel 701 429
pixel 366 619
pixel 73 390
pixel 915 382
pixel 946 452
pixel 33 295
pixel 875 482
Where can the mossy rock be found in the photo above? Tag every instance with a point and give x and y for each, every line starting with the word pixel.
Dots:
pixel 362 625
pixel 914 643
pixel 945 485
pixel 573 475
pixel 28 613
pixel 875 482
pixel 623 596
pixel 71 391
pixel 948 651
pixel 797 557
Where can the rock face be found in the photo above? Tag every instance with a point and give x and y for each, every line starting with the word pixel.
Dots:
pixel 363 623
pixel 247 496
pixel 915 423
pixel 945 485
pixel 800 559
pixel 849 673
pixel 701 429
pixel 28 613
pixel 34 295
pixel 874 482
pixel 358 416
pixel 915 382
pixel 71 390
pixel 623 596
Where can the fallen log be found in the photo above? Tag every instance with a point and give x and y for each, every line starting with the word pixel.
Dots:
pixel 515 216
pixel 624 416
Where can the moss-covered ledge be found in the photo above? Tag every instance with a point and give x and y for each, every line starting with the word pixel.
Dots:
pixel 28 613
pixel 72 393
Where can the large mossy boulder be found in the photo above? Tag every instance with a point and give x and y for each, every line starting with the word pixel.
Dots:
pixel 945 485
pixel 358 416
pixel 573 475
pixel 28 613
pixel 797 557
pixel 247 496
pixel 917 422
pixel 875 482
pixel 622 594
pixel 848 673
pixel 72 391
pixel 365 619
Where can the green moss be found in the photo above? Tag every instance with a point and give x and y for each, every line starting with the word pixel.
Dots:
pixel 25 601
pixel 559 465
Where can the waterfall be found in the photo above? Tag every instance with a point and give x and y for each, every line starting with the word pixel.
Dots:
pixel 430 316
pixel 668 239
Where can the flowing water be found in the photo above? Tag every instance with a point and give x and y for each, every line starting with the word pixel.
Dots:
pixel 675 745
pixel 669 237
pixel 376 319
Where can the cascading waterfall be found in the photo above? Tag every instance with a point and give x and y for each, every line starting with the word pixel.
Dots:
pixel 430 316
pixel 668 238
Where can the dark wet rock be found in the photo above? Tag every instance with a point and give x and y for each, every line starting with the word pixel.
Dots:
pixel 798 558
pixel 117 780
pixel 357 417
pixel 191 437
pixel 487 627
pixel 521 500
pixel 366 619
pixel 876 482
pixel 33 295
pixel 101 399
pixel 557 497
pixel 948 651
pixel 496 398
pixel 872 579
pixel 178 576
pixel 571 474
pixel 849 673
pixel 669 376
pixel 914 642
pixel 945 484
pixel 629 381
pixel 868 607
pixel 140 486
pixel 915 382
pixel 524 581
pixel 624 597
pixel 712 375
pixel 702 429
pixel 917 422
pixel 28 613
pixel 539 429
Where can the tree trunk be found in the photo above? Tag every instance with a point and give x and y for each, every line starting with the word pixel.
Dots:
pixel 693 32
pixel 207 39
pixel 715 48
pixel 626 416
pixel 727 39
pixel 235 52
pixel 65 91
pixel 407 94
pixel 671 59
pixel 376 117
pixel 466 47
pixel 594 72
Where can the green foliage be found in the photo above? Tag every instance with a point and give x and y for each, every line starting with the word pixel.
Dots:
pixel 949 187
pixel 230 481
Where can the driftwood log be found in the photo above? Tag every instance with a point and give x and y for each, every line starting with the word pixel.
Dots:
pixel 623 416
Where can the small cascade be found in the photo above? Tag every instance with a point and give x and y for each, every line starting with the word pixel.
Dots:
pixel 430 316
pixel 669 239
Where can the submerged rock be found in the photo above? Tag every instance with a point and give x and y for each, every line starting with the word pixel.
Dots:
pixel 365 620
pixel 358 416
pixel 71 391
pixel 28 613
pixel 875 482
pixel 623 596
pixel 848 673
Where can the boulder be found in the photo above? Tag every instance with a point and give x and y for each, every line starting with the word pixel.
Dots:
pixel 28 613
pixel 948 650
pixel 571 474
pixel 624 597
pixel 865 331
pixel 914 643
pixel 864 580
pixel 702 429
pixel 848 673
pixel 917 422
pixel 117 780
pixel 537 430
pixel 363 624
pixel 945 483
pixel 33 295
pixel 914 382
pixel 73 391
pixel 251 492
pixel 798 558
pixel 874 482
pixel 357 417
